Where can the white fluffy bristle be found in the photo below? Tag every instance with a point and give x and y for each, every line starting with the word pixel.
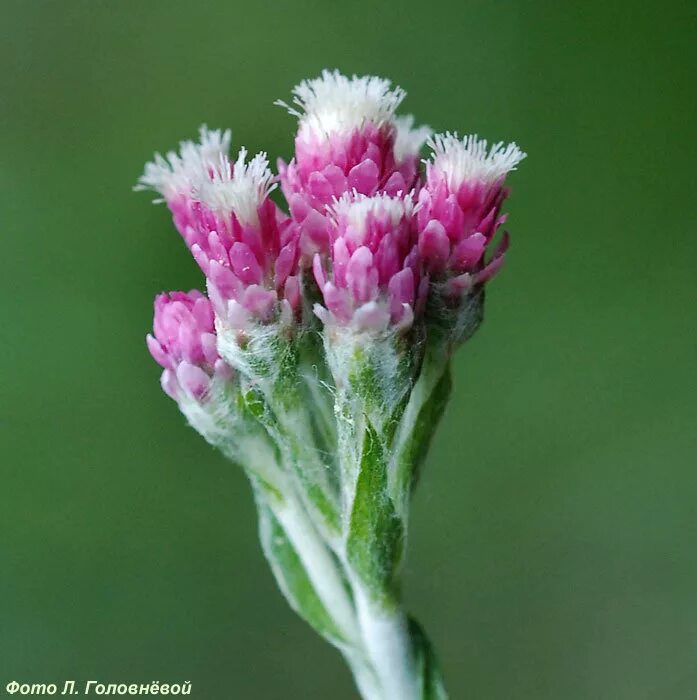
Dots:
pixel 238 187
pixel 336 103
pixel 470 158
pixel 357 208
pixel 409 140
pixel 178 173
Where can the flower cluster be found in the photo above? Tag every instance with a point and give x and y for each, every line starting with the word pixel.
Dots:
pixel 460 208
pixel 370 276
pixel 348 140
pixel 318 359
pixel 244 244
pixel 375 233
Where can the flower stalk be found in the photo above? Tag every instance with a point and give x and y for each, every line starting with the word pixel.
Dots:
pixel 318 361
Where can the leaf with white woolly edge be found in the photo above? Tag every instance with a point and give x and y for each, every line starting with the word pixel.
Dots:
pixel 416 433
pixel 379 373
pixel 376 534
pixel 292 577
pixel 429 671
pixel 281 407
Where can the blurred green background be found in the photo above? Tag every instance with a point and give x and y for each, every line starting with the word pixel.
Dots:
pixel 553 552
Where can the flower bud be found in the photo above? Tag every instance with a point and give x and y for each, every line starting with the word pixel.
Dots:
pixel 184 342
pixel 245 245
pixel 177 176
pixel 194 375
pixel 348 139
pixel 373 278
pixel 460 209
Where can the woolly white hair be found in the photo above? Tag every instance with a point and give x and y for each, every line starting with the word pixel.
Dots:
pixel 336 103
pixel 238 187
pixel 178 173
pixel 409 140
pixel 356 207
pixel 470 158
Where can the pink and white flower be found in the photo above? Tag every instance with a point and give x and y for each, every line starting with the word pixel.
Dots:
pixel 375 252
pixel 245 245
pixel 399 258
pixel 372 280
pixel 460 209
pixel 348 139
pixel 184 345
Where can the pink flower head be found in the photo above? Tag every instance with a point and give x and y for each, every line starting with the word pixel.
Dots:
pixel 245 245
pixel 348 139
pixel 184 344
pixel 373 280
pixel 460 208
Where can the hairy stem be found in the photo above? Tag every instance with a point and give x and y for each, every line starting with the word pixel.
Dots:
pixel 388 644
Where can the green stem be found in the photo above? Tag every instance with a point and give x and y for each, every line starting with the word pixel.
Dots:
pixel 388 643
pixel 402 661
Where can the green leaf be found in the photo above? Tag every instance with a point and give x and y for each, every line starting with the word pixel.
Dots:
pixel 414 450
pixel 254 403
pixel 429 670
pixel 310 467
pixel 292 577
pixel 296 442
pixel 381 376
pixel 376 534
